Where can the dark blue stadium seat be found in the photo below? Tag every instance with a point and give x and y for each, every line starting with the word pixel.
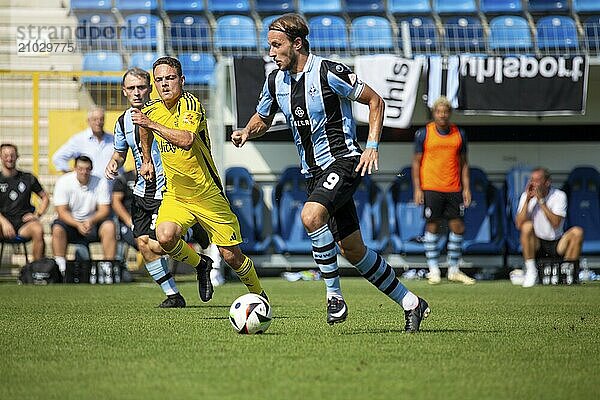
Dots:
pixel 91 5
pixel 228 6
pixel 405 218
pixel 423 34
pixel 143 60
pixel 510 33
pixel 265 30
pixel 320 6
pixel 464 34
pixel 454 6
pixel 583 193
pixel 409 7
pixel 591 31
pixel 142 34
pixel 547 6
pixel 247 203
pixel 586 6
pixel 126 6
pixel 274 6
pixel 364 6
pixel 516 181
pixel 182 6
pixel 289 196
pixel 556 32
pixel 96 32
pixel 371 33
pixel 102 61
pixel 368 199
pixel 189 32
pixel 484 218
pixel 17 240
pixel 328 32
pixel 198 68
pixel 235 32
pixel 500 6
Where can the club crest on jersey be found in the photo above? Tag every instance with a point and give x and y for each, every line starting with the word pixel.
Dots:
pixel 22 187
pixel 299 112
pixel 313 91
pixel 3 187
pixel 189 118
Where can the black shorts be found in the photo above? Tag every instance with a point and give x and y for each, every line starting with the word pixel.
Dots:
pixel 334 188
pixel 143 214
pixel 16 222
pixel 73 235
pixel 440 205
pixel 547 249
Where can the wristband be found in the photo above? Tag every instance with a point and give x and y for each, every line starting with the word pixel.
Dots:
pixel 541 202
pixel 371 144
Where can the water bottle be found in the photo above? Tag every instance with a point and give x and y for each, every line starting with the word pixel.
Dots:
pixel 584 275
pixel 93 276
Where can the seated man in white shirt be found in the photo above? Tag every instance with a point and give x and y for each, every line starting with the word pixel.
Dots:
pixel 541 225
pixel 93 142
pixel 82 202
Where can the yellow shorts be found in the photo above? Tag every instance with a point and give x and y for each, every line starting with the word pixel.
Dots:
pixel 214 214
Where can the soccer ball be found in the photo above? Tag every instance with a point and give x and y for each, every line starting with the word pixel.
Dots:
pixel 250 314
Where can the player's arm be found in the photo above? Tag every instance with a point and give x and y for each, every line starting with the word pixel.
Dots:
pixel 64 154
pixel 116 162
pixel 45 202
pixel 465 179
pixel 65 215
pixel 178 137
pixel 418 197
pixel 256 127
pixel 119 208
pixel 522 215
pixel 147 168
pixel 370 157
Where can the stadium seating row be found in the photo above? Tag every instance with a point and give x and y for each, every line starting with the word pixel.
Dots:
pixel 489 221
pixel 340 6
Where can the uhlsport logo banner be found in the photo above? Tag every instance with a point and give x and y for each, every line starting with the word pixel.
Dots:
pixel 396 80
pixel 523 85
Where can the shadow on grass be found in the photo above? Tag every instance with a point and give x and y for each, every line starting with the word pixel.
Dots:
pixel 421 332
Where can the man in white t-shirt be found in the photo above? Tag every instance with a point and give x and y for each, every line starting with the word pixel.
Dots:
pixel 82 202
pixel 541 225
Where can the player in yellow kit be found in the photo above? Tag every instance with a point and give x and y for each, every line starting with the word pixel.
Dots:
pixel 194 192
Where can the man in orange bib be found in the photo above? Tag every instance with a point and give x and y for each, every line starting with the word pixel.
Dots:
pixel 440 173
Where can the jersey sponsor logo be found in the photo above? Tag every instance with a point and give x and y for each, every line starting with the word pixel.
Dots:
pixel 166 147
pixel 299 112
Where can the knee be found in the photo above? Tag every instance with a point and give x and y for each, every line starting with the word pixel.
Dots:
pixel 107 230
pixel 526 229
pixel 311 219
pixel 577 233
pixel 166 236
pixel 233 257
pixel 57 230
pixel 37 231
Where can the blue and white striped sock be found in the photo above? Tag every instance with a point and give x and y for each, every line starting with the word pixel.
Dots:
pixel 159 271
pixel 431 251
pixel 454 251
pixel 325 255
pixel 377 271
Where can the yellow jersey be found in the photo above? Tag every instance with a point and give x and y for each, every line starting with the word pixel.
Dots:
pixel 188 173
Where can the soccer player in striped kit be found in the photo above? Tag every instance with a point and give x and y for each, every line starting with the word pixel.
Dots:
pixel 315 94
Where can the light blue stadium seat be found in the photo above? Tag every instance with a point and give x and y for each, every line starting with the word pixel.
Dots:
pixel 464 34
pixel 364 6
pixel 510 33
pixel 235 32
pixel 265 30
pixel 198 68
pixel 516 181
pixel 102 61
pixel 143 60
pixel 320 6
pixel 246 200
pixel 454 6
pixel 368 200
pixel 228 6
pixel 586 6
pixel 556 32
pixel 274 6
pixel 182 6
pixel 405 218
pixel 371 34
pixel 484 218
pixel 591 29
pixel 409 7
pixel 328 32
pixel 423 34
pixel 189 32
pixel 500 6
pixel 583 193
pixel 289 196
pixel 547 6
pixel 126 6
pixel 91 5
pixel 96 32
pixel 142 35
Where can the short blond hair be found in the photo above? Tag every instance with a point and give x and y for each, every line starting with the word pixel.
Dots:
pixel 441 101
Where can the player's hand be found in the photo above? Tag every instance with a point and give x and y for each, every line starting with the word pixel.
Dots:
pixel 29 217
pixel 466 197
pixel 418 196
pixel 147 171
pixel 530 190
pixel 82 228
pixel 7 229
pixel 368 161
pixel 239 137
pixel 112 170
pixel 139 118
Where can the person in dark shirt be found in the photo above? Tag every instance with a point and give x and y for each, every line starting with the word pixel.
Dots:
pixel 18 217
pixel 122 199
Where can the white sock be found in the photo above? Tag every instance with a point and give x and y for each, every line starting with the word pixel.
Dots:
pixel 435 270
pixel 530 266
pixel 62 264
pixel 410 301
pixel 453 269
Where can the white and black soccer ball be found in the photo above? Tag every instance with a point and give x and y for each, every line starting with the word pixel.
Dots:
pixel 250 314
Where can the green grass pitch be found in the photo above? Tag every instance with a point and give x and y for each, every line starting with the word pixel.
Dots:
pixel 492 340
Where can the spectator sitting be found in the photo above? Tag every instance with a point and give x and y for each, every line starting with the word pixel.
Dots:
pixel 93 142
pixel 122 199
pixel 82 202
pixel 541 225
pixel 18 217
